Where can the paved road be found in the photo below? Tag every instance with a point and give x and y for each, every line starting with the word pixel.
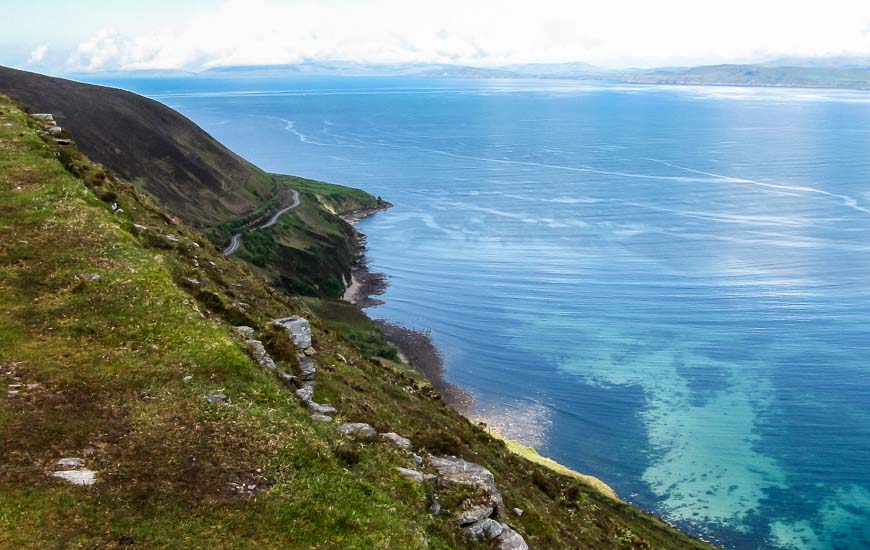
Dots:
pixel 236 239
pixel 234 244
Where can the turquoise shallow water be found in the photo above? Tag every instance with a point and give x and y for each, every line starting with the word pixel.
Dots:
pixel 663 287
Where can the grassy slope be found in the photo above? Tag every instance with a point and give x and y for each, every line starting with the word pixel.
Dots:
pixel 110 355
pixel 197 179
pixel 149 144
pixel 311 249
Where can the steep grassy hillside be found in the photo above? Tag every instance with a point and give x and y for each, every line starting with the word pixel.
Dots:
pixel 192 176
pixel 311 249
pixel 190 173
pixel 117 346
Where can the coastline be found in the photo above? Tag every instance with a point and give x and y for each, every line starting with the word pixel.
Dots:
pixel 416 348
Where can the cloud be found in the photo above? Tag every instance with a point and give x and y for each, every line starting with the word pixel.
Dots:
pixel 485 32
pixel 38 54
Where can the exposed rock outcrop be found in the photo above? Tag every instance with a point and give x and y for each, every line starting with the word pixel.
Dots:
pixel 358 430
pixel 260 354
pixel 77 477
pixel 485 529
pixel 455 470
pixel 474 515
pixel 510 539
pixel 396 440
pixel 299 330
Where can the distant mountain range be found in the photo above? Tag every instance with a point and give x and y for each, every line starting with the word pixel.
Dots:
pixel 821 72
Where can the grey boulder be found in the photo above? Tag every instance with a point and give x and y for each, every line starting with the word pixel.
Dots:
pixel 474 515
pixel 359 430
pixel 396 440
pixel 298 328
pixel 457 471
pixel 485 529
pixel 321 409
pixel 510 540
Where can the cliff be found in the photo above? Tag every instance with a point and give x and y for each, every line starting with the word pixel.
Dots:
pixel 150 398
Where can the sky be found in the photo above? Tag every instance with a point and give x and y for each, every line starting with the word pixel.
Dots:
pixel 66 36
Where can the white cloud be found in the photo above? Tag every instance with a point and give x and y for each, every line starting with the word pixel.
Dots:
pixel 38 54
pixel 487 32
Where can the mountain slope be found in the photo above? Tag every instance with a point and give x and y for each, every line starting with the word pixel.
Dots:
pixel 759 75
pixel 192 176
pixel 117 347
pixel 145 142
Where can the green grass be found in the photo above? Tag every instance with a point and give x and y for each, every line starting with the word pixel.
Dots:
pixel 338 199
pixel 111 355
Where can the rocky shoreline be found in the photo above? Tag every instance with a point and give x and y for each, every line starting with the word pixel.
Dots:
pixel 414 346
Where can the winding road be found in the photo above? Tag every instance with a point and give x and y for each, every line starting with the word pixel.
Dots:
pixel 236 239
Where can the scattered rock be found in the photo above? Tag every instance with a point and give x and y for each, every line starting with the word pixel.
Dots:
pixel 12 393
pixel 417 458
pixel 474 515
pixel 260 354
pixel 456 470
pixel 342 357
pixel 321 409
pixel 435 508
pixel 305 393
pixel 309 351
pixel 321 418
pixel 397 440
pixel 188 378
pixel 298 328
pixel 172 238
pixel 510 539
pixel 93 277
pixel 216 397
pixel 247 331
pixel 288 379
pixel 307 368
pixel 359 430
pixel 411 474
pixel 70 463
pixel 191 282
pixel 60 141
pixel 485 529
pixel 518 512
pixel 139 227
pixel 77 477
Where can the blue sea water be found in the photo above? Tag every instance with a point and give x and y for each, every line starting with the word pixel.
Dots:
pixel 663 287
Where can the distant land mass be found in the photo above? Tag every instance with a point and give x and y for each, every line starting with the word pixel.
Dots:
pixel 846 72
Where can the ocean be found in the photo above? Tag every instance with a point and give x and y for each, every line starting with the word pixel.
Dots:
pixel 664 287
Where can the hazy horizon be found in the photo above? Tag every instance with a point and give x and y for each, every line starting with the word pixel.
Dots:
pixel 96 35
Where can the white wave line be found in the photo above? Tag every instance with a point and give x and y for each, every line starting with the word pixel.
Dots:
pixel 847 200
pixel 290 126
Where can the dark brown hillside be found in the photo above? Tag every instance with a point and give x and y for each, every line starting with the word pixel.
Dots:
pixel 171 158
